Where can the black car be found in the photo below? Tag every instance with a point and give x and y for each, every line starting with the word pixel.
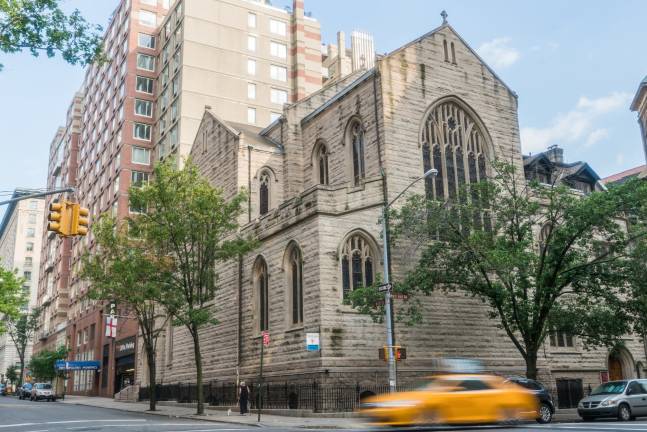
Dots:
pixel 24 392
pixel 546 405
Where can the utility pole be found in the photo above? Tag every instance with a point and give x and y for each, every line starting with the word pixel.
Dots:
pixel 38 195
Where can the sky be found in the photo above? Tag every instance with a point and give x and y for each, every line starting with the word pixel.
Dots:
pixel 574 64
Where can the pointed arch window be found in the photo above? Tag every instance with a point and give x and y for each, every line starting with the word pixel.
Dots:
pixel 261 280
pixel 454 144
pixel 264 193
pixel 357 263
pixel 356 141
pixel 295 283
pixel 320 163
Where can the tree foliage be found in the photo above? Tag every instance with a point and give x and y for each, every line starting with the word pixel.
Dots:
pixel 42 364
pixel 21 329
pixel 41 26
pixel 11 296
pixel 11 374
pixel 485 242
pixel 125 270
pixel 193 227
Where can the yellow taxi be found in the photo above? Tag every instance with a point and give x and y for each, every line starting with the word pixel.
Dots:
pixel 453 399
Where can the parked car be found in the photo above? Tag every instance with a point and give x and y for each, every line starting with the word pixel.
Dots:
pixel 3 390
pixel 626 400
pixel 453 399
pixel 24 391
pixel 42 391
pixel 545 399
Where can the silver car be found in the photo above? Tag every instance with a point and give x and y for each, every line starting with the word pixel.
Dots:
pixel 624 400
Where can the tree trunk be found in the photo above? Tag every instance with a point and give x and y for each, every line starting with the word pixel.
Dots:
pixel 22 369
pixel 198 370
pixel 152 385
pixel 531 364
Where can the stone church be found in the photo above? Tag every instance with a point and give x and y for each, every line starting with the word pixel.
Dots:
pixel 318 177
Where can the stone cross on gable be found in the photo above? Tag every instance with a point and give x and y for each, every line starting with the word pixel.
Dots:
pixel 444 15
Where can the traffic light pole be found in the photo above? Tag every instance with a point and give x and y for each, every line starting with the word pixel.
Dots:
pixel 38 195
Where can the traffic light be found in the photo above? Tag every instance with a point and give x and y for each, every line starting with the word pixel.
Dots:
pixel 59 218
pixel 399 352
pixel 79 220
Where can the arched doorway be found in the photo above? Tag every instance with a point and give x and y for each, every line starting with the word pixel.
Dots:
pixel 621 364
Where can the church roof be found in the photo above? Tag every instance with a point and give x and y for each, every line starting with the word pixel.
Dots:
pixel 567 169
pixel 621 176
pixel 253 135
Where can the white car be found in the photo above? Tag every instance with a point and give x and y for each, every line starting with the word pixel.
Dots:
pixel 42 391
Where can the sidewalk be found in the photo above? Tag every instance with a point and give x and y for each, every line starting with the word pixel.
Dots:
pixel 216 415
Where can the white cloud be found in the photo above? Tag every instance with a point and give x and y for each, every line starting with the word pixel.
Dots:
pixel 499 53
pixel 574 125
pixel 595 136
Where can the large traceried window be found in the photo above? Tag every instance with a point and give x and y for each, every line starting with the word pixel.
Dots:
pixel 357 263
pixel 355 138
pixel 454 144
pixel 264 193
pixel 294 272
pixel 261 281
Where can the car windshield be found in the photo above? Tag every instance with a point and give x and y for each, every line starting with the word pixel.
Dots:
pixel 26 386
pixel 613 387
pixel 44 386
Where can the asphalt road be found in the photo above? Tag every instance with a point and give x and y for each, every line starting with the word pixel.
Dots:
pixel 26 416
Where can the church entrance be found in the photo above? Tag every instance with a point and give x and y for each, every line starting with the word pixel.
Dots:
pixel 620 364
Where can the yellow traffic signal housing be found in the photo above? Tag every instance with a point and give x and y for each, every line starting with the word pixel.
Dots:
pixel 59 218
pixel 80 220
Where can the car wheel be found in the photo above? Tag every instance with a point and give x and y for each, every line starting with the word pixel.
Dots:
pixel 545 414
pixel 624 413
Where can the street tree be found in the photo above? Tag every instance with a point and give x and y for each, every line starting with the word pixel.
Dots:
pixel 41 26
pixel 11 374
pixel 42 364
pixel 21 329
pixel 125 270
pixel 542 257
pixel 635 290
pixel 11 295
pixel 193 227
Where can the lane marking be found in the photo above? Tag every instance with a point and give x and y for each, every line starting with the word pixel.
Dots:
pixel 66 422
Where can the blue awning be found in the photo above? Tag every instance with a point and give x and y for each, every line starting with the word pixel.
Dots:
pixel 77 365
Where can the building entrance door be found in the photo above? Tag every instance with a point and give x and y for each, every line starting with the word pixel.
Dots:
pixel 615 368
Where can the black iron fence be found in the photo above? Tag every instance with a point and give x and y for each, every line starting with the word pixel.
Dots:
pixel 275 395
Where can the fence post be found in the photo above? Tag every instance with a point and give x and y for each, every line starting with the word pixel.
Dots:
pixel 315 393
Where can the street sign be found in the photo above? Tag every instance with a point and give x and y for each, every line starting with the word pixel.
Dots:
pixel 312 341
pixel 385 287
pixel 266 338
pixel 400 296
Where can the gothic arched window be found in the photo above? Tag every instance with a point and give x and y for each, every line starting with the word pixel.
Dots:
pixel 294 271
pixel 320 163
pixel 357 263
pixel 454 144
pixel 356 141
pixel 264 193
pixel 261 281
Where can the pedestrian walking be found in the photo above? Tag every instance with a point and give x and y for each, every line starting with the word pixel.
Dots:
pixel 243 397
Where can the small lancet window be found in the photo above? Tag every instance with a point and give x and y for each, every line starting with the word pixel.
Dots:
pixel 453 53
pixel 264 193
pixel 445 50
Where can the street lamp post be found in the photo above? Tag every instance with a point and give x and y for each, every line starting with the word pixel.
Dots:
pixel 387 281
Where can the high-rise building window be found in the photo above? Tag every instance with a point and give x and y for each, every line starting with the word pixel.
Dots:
pixel 138 178
pixel 145 62
pixel 27 275
pixel 143 108
pixel 278 73
pixel 278 96
pixel 251 20
pixel 278 27
pixel 33 205
pixel 141 156
pixel 28 261
pixel 274 116
pixel 251 91
pixel 278 50
pixel 142 131
pixel 173 136
pixel 29 247
pixel 147 18
pixel 251 115
pixel 31 232
pixel 32 218
pixel 251 43
pixel 144 85
pixel 146 41
pixel 251 67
